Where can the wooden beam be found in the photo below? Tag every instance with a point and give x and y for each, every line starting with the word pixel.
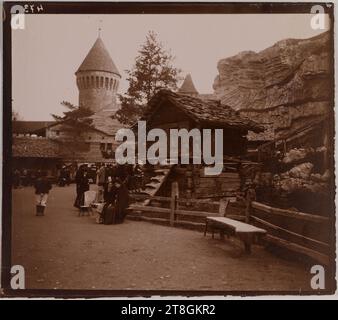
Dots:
pixel 149 209
pixel 145 197
pixel 166 221
pixel 322 258
pixel 289 213
pixel 272 226
pixel 196 213
pixel 198 201
pixel 182 212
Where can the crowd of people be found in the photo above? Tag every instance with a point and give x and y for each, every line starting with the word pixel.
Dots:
pixel 114 182
pixel 24 177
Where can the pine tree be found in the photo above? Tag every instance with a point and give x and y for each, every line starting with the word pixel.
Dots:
pixel 77 119
pixel 152 71
pixel 76 122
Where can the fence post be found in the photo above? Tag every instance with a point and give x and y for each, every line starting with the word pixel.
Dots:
pixel 173 202
pixel 247 211
pixel 250 196
pixel 222 210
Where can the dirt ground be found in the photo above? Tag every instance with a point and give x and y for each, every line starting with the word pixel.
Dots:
pixel 64 251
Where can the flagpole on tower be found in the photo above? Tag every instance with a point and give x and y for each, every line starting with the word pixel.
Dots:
pixel 100 28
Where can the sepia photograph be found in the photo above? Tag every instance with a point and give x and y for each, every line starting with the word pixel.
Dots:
pixel 168 149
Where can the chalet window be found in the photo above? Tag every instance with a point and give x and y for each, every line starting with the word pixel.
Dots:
pixel 109 146
pixel 57 132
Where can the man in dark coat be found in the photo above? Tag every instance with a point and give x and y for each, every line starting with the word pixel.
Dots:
pixel 82 185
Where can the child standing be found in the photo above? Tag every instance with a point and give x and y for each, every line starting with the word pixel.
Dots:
pixel 42 187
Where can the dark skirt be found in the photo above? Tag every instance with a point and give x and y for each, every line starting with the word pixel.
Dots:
pixel 109 214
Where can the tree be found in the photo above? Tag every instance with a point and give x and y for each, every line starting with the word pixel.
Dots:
pixel 77 119
pixel 152 71
pixel 76 122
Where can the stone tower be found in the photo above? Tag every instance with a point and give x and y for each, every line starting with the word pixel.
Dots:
pixel 97 79
pixel 188 87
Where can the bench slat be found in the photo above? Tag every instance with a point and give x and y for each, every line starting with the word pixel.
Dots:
pixel 240 227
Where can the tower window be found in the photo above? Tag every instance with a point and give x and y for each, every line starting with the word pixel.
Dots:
pixel 101 82
pixel 106 83
pixel 88 84
pixel 97 82
pixel 92 81
pixel 110 84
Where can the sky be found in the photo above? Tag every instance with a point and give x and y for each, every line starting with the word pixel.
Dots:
pixel 46 54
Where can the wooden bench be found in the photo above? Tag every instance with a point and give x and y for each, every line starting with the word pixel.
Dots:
pixel 245 232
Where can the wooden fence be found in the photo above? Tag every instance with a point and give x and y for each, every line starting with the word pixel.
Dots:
pixel 299 232
pixel 174 212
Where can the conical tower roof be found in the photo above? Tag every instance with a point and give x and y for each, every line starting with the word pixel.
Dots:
pixel 98 59
pixel 188 86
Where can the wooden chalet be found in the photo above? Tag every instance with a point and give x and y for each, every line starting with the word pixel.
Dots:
pixel 168 110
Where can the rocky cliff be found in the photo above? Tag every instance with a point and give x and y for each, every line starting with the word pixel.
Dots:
pixel 283 87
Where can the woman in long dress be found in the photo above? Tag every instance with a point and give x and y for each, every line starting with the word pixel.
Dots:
pixel 108 211
pixel 122 201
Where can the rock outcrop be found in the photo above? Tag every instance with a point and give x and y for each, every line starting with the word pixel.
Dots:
pixel 283 87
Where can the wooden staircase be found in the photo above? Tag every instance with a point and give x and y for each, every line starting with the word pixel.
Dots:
pixel 152 187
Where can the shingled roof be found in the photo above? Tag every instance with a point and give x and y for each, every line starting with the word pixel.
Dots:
pixel 35 147
pixel 207 112
pixel 98 59
pixel 188 86
pixel 29 126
